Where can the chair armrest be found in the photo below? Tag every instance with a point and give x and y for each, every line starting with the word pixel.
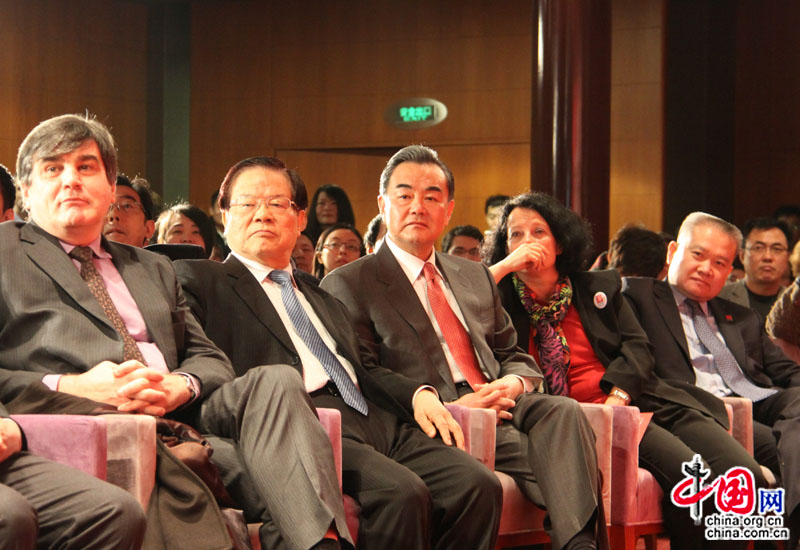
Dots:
pixel 625 460
pixel 132 453
pixel 74 440
pixel 331 421
pixel 601 417
pixel 742 422
pixel 479 427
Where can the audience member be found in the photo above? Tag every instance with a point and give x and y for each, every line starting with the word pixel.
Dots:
pixel 794 260
pixel 635 251
pixel 185 224
pixel 783 321
pixel 426 495
pixel 117 330
pixel 221 249
pixel 591 347
pixel 437 320
pixel 721 347
pixel 338 245
pixel 8 195
pixel 491 209
pixel 464 241
pixel 329 205
pixel 130 219
pixel 790 214
pixel 373 238
pixel 303 253
pixel 765 257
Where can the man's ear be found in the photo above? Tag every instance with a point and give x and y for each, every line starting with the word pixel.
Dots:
pixel 302 221
pixel 672 247
pixel 741 257
pixel 381 204
pixel 150 228
pixel 450 206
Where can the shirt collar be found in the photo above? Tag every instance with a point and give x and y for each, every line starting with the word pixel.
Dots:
pixel 96 246
pixel 260 271
pixel 680 299
pixel 411 265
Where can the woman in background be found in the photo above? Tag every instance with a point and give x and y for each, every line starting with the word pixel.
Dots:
pixel 185 223
pixel 329 205
pixel 338 245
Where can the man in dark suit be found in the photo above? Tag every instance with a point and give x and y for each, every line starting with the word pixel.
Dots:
pixel 413 491
pixel 720 347
pixel 437 321
pixel 108 322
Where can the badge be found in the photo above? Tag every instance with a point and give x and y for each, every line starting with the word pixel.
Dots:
pixel 600 300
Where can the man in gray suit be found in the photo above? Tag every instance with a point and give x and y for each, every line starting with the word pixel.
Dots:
pixel 437 320
pixel 108 322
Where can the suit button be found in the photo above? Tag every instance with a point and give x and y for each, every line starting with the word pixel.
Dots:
pixel 295 360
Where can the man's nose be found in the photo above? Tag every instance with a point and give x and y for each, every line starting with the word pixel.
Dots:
pixel 262 212
pixel 70 176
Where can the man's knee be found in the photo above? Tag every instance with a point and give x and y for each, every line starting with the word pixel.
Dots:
pixel 281 377
pixel 18 524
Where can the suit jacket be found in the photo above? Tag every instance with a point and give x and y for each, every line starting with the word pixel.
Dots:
pixel 735 292
pixel 50 322
pixel 394 330
pixel 762 362
pixel 236 314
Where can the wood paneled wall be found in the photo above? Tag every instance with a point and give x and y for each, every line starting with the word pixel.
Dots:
pixel 637 106
pixel 62 56
pixel 313 85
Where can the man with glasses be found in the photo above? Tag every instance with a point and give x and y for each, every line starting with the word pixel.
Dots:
pixel 413 491
pixel 464 241
pixel 131 217
pixel 765 257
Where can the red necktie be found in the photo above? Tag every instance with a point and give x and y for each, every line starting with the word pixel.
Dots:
pixel 453 331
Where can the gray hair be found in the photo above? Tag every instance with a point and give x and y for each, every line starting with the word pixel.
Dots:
pixel 419 154
pixel 696 219
pixel 63 134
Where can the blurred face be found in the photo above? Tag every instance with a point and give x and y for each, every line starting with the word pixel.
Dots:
pixel 699 264
pixel 266 234
pixel 341 247
pixel 6 214
pixel 327 210
pixel 416 207
pixel 493 216
pixel 466 247
pixel 69 195
pixel 182 230
pixel 303 254
pixel 765 256
pixel 126 222
pixel 528 227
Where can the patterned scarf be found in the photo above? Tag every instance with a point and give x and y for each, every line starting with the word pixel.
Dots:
pixel 547 332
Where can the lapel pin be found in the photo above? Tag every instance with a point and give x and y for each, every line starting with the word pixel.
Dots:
pixel 600 300
pixel 729 318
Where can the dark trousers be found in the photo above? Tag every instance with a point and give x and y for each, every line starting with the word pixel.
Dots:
pixel 413 491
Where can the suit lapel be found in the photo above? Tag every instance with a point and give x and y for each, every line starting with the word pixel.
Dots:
pixel 401 295
pixel 730 332
pixel 47 253
pixel 665 302
pixel 249 290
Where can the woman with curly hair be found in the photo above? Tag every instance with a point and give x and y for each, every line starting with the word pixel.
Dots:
pixel 591 347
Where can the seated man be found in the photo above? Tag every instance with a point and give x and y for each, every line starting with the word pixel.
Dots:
pixel 8 195
pixel 702 340
pixel 436 321
pixel 765 257
pixel 48 505
pixel 463 241
pixel 414 492
pixel 108 322
pixel 131 219
pixel 635 251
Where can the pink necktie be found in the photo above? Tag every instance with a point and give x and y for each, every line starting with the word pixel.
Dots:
pixel 453 331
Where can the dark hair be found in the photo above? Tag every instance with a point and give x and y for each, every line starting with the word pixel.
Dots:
pixel 344 210
pixel 299 194
pixel 319 269
pixel 572 233
pixel 461 231
pixel 373 230
pixel 635 251
pixel 766 222
pixel 419 154
pixel 203 221
pixel 495 200
pixel 787 210
pixel 7 190
pixel 63 134
pixel 142 188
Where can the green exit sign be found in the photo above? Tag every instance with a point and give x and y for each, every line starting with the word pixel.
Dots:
pixel 415 112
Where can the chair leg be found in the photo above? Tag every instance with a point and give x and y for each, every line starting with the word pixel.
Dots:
pixel 622 538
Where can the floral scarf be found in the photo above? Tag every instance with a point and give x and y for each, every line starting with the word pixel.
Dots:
pixel 547 332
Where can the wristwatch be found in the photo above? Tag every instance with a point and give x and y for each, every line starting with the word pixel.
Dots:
pixel 616 392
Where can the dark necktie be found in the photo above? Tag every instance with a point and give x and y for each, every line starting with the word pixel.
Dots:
pixel 92 277
pixel 305 329
pixel 726 363
pixel 455 335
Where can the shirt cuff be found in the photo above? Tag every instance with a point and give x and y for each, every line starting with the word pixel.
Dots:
pixel 194 386
pixel 423 388
pixel 527 382
pixel 51 381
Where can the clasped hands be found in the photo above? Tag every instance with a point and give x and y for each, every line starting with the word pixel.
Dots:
pixel 130 386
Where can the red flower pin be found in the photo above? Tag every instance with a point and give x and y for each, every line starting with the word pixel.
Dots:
pixel 729 318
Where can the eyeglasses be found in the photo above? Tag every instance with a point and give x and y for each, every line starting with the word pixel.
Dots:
pixel 126 206
pixel 759 249
pixel 462 252
pixel 277 205
pixel 338 246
